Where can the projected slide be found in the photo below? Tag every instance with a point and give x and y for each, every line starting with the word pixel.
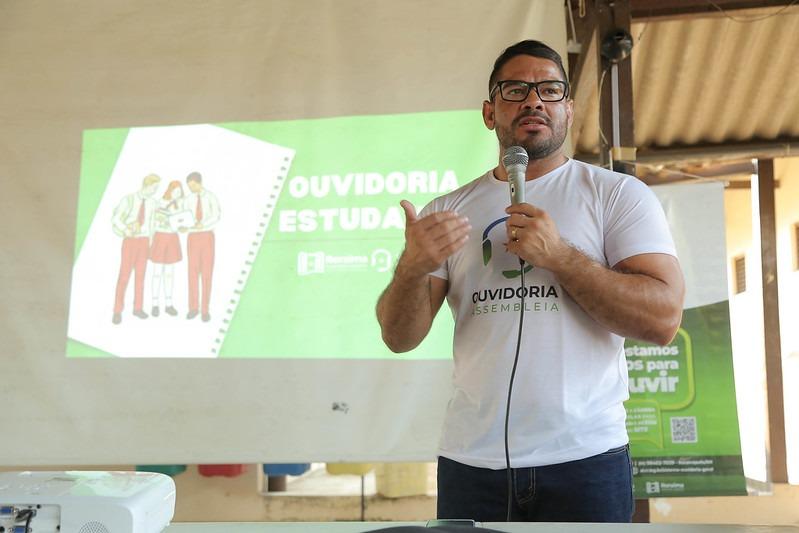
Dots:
pixel 259 240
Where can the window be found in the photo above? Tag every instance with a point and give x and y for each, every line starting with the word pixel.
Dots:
pixel 740 273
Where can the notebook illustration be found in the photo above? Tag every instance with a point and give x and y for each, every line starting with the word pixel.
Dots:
pixel 169 248
pixel 180 219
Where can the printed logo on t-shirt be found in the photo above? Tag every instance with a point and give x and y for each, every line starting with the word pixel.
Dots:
pixel 537 298
pixel 488 251
pixel 491 300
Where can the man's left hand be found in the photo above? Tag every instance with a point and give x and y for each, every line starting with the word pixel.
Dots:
pixel 533 236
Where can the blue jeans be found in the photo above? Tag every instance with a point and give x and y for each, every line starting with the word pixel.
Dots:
pixel 595 489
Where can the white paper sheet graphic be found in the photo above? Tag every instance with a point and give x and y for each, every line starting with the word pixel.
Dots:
pixel 245 174
pixel 180 219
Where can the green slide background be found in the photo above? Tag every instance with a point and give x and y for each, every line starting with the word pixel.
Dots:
pixel 331 315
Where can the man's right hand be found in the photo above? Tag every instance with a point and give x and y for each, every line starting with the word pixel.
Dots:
pixel 430 240
pixel 407 307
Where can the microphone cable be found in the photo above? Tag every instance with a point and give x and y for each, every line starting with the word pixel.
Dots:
pixel 510 391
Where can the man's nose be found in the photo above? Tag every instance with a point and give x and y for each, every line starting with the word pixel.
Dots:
pixel 533 101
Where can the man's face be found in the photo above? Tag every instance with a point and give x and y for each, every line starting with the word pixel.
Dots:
pixel 194 186
pixel 539 127
pixel 149 190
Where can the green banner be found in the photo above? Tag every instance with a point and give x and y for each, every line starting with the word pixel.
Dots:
pixel 681 415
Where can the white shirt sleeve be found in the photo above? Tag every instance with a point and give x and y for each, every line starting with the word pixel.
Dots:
pixel 635 223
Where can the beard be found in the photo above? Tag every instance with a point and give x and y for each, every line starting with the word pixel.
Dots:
pixel 537 145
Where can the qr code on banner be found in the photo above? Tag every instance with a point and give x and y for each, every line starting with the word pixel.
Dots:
pixel 683 429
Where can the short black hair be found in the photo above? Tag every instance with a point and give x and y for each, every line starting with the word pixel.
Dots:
pixel 529 48
pixel 194 176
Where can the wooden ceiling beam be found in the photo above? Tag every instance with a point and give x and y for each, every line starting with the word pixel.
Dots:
pixel 582 66
pixel 730 182
pixel 615 79
pixel 776 148
pixel 744 167
pixel 650 9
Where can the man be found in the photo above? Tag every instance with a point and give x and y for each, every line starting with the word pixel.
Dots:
pixel 600 265
pixel 200 246
pixel 132 220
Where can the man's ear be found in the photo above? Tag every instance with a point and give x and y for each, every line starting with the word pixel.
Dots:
pixel 488 114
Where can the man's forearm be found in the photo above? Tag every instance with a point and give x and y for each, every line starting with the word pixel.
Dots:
pixel 404 310
pixel 628 303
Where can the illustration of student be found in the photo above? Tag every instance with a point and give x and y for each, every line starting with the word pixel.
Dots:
pixel 165 250
pixel 200 246
pixel 132 220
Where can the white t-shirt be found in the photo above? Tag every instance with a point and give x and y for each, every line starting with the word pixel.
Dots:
pixel 571 378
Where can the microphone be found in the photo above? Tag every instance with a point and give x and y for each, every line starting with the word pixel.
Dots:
pixel 515 161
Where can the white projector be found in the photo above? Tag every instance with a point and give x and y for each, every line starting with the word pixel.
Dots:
pixel 85 502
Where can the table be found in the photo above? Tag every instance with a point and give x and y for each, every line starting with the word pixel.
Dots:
pixel 359 527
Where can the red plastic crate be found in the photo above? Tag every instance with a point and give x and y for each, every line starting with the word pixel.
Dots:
pixel 221 470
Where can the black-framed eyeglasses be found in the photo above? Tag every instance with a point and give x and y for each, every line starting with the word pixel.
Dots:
pixel 518 90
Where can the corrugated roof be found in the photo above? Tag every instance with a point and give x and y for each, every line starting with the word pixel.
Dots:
pixel 709 80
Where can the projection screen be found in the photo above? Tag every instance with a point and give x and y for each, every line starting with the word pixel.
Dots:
pixel 297 91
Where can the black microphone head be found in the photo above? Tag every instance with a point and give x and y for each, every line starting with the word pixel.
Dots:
pixel 515 155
